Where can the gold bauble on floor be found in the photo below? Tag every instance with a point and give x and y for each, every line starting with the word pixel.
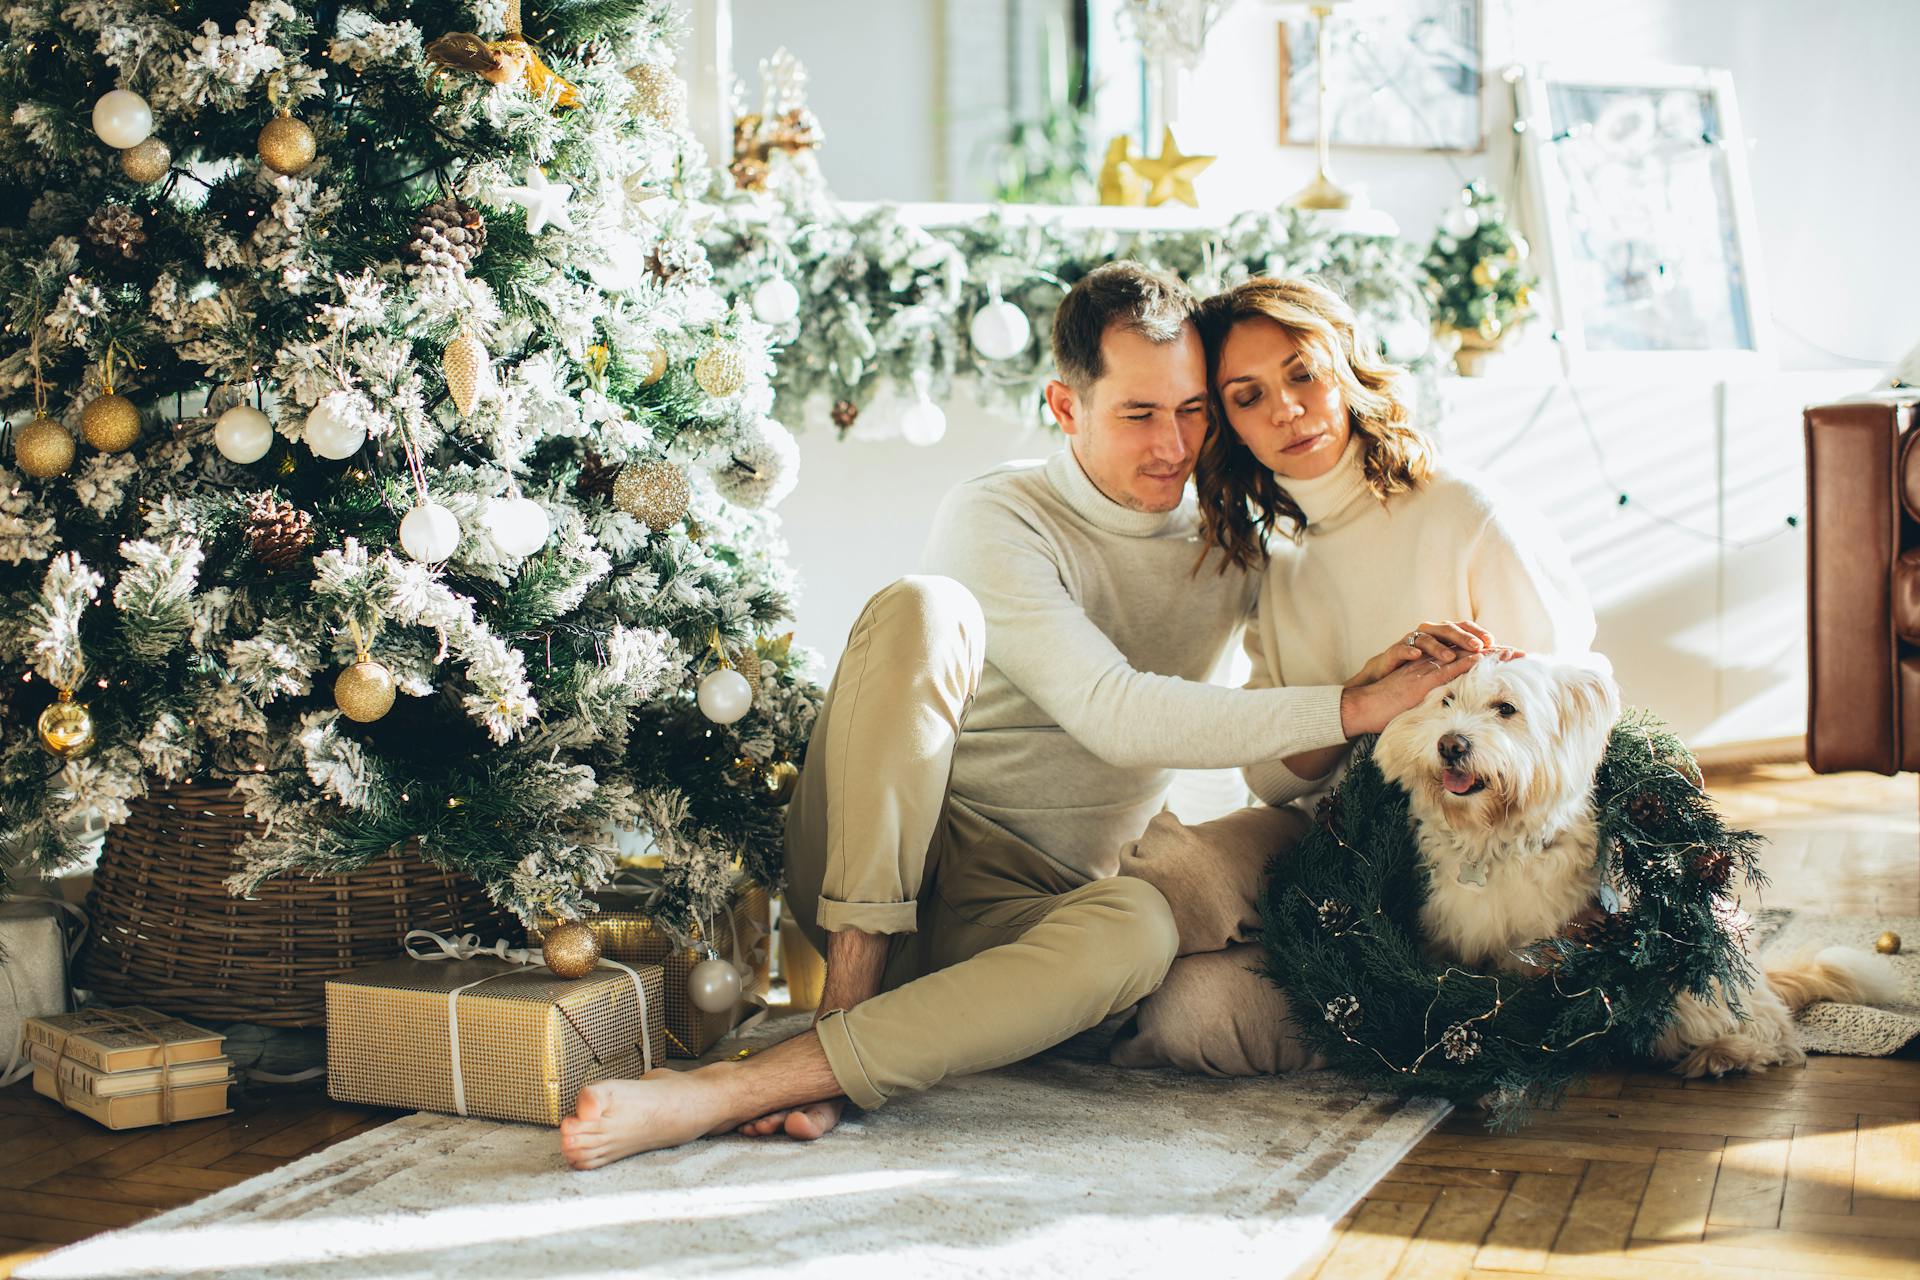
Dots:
pixel 571 950
pixel 654 493
pixel 364 691
pixel 66 727
pixel 43 448
pixel 110 423
pixel 146 163
pixel 286 145
pixel 1887 944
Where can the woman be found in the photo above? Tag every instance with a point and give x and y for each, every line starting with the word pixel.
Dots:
pixel 1375 554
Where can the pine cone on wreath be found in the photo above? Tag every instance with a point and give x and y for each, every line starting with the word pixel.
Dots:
pixel 1713 867
pixel 845 412
pixel 448 233
pixel 116 233
pixel 1646 809
pixel 279 533
pixel 1326 811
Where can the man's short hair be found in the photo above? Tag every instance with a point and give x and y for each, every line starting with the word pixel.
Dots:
pixel 1153 304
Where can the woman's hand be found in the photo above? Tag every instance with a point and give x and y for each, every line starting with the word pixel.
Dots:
pixel 1440 641
pixel 1367 708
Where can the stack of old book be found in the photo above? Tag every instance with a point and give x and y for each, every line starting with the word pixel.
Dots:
pixel 129 1067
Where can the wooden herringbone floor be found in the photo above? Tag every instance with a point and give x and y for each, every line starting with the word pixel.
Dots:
pixel 1808 1172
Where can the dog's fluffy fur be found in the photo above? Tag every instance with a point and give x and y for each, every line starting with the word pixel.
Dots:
pixel 1499 768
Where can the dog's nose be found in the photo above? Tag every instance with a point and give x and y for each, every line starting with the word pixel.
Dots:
pixel 1454 748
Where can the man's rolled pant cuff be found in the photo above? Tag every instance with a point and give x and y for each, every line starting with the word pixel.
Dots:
pixel 868 917
pixel 844 1060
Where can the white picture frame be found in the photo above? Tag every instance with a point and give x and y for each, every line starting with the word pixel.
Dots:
pixel 1403 75
pixel 1640 192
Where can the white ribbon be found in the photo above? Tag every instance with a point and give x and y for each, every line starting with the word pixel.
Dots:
pixel 467 947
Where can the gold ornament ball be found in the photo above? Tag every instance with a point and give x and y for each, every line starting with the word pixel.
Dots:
pixel 654 493
pixel 571 950
pixel 656 361
pixel 364 691
pixel 110 423
pixel 146 163
pixel 777 782
pixel 66 728
pixel 286 145
pixel 43 448
pixel 721 370
pixel 658 93
pixel 1887 944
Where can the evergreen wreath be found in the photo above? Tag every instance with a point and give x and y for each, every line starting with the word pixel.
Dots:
pixel 1343 940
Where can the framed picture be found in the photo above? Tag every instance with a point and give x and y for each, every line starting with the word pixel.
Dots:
pixel 1401 74
pixel 1639 183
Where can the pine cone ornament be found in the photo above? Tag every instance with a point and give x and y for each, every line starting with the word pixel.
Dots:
pixel 1713 868
pixel 449 233
pixel 280 534
pixel 680 262
pixel 1647 809
pixel 844 413
pixel 1326 811
pixel 596 477
pixel 116 233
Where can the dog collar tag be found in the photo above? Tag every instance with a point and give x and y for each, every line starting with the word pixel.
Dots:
pixel 1475 874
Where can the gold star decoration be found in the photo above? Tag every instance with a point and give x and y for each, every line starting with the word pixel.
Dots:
pixel 1170 175
pixel 1119 184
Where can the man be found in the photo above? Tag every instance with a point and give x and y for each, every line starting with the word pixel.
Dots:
pixel 994 733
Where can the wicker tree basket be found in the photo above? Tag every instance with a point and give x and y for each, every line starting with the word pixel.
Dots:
pixel 168 935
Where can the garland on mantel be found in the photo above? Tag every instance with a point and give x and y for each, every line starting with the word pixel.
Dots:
pixel 886 308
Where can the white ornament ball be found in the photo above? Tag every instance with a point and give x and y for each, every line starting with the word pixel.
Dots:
pixel 725 696
pixel 1461 221
pixel 330 432
pixel 923 423
pixel 122 118
pixel 762 470
pixel 1000 330
pixel 775 301
pixel 430 533
pixel 518 526
pixel 243 434
pixel 1404 339
pixel 714 986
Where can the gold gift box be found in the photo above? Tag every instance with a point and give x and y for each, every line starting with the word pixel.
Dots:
pixel 628 932
pixel 528 1038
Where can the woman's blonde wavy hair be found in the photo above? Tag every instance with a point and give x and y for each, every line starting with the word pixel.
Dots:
pixel 1241 501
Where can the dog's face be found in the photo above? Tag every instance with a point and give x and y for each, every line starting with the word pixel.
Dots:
pixel 1508 749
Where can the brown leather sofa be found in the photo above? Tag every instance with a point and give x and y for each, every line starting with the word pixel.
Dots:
pixel 1863 586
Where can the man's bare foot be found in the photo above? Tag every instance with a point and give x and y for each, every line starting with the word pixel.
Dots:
pixel 815 1120
pixel 613 1119
pixel 807 1123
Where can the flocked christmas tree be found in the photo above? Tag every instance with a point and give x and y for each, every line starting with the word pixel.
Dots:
pixel 381 444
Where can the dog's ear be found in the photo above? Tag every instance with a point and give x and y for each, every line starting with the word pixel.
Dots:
pixel 1592 700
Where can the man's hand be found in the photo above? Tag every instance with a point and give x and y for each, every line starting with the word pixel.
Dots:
pixel 1367 708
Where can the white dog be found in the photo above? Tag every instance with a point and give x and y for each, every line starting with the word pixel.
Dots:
pixel 1499 769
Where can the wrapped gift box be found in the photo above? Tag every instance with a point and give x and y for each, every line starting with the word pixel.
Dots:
pixel 627 931
pixel 527 1038
pixel 34 941
pixel 137 1108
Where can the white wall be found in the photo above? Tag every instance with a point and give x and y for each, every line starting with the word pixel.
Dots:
pixel 1708 632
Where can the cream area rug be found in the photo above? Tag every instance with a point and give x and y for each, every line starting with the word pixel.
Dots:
pixel 1848 1028
pixel 1063 1165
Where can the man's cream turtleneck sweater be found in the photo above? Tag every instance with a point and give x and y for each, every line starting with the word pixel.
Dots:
pixel 1099 638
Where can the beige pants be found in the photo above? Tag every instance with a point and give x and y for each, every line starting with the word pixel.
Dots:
pixel 1216 1012
pixel 997 951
